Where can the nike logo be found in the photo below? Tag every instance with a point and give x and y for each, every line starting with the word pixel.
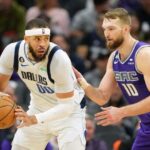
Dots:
pixel 115 62
pixel 131 59
pixel 24 65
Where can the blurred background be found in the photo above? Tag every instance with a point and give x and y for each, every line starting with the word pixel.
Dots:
pixel 76 28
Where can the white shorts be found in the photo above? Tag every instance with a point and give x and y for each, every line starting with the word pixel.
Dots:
pixel 70 131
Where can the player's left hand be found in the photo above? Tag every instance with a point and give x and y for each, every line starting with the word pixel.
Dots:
pixel 24 118
pixel 108 116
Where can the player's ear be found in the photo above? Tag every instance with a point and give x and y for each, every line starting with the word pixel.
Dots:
pixel 26 39
pixel 126 28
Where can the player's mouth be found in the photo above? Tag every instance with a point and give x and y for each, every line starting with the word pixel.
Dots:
pixel 109 40
pixel 41 51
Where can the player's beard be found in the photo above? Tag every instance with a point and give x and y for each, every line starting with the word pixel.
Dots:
pixel 34 55
pixel 115 44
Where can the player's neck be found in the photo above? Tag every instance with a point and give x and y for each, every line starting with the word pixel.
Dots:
pixel 127 47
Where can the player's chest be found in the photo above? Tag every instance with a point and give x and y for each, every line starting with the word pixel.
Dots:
pixel 33 72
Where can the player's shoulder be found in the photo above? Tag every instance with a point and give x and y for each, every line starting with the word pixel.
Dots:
pixel 112 56
pixel 144 51
pixel 60 54
pixel 142 58
pixel 11 47
pixel 143 54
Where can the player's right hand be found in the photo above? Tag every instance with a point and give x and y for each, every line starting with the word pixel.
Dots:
pixel 77 73
pixel 81 80
pixel 24 118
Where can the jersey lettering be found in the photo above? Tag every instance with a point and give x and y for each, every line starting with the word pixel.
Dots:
pixel 126 76
pixel 34 77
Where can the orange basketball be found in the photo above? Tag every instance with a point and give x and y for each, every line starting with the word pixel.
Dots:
pixel 7 111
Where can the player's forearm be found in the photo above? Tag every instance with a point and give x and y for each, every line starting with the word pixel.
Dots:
pixel 139 108
pixel 95 95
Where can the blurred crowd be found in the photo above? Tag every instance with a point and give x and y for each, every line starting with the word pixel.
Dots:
pixel 76 28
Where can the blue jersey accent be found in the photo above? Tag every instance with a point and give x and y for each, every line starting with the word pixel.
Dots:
pixel 130 80
pixel 55 49
pixel 15 65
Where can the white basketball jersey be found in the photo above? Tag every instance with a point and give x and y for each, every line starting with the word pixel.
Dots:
pixel 35 76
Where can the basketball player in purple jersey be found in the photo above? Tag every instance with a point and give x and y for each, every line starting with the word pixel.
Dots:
pixel 129 68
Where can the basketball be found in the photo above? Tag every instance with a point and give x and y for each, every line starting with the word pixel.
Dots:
pixel 7 111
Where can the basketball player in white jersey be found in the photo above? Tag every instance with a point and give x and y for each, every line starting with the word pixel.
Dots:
pixel 56 106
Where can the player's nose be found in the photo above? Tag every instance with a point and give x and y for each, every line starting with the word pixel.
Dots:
pixel 42 43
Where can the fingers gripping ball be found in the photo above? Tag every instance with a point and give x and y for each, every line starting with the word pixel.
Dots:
pixel 7 111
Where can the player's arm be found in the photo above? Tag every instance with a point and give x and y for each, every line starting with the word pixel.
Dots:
pixel 3 83
pixel 6 66
pixel 4 79
pixel 143 65
pixel 101 94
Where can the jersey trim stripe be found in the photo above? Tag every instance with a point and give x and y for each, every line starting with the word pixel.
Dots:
pixel 16 56
pixel 52 52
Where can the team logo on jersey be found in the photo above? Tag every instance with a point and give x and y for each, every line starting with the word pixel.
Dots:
pixel 21 59
pixel 43 69
pixel 34 77
pixel 126 76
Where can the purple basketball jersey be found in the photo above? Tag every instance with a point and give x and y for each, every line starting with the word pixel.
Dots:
pixel 130 80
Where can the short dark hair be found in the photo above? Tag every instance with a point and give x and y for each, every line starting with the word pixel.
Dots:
pixel 37 23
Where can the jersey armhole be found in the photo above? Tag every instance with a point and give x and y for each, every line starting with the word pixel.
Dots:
pixel 15 65
pixel 51 54
pixel 136 56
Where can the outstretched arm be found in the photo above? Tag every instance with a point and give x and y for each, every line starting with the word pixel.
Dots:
pixel 101 94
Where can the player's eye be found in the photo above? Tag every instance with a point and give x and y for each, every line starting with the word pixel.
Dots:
pixel 37 39
pixel 46 39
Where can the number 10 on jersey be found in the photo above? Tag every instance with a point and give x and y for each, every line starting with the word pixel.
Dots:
pixel 130 89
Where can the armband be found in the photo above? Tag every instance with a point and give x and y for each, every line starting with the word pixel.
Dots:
pixel 64 109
